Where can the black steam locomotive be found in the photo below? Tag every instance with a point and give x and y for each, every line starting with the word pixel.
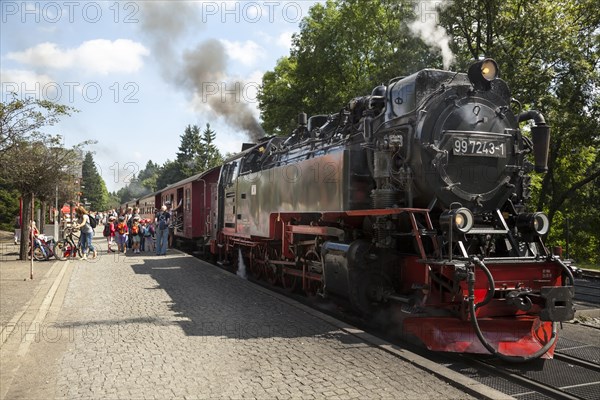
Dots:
pixel 410 200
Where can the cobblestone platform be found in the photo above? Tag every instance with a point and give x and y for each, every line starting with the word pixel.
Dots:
pixel 148 327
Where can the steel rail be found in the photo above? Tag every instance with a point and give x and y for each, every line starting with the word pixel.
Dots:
pixel 539 387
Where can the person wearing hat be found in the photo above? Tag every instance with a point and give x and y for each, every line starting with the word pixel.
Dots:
pixel 162 221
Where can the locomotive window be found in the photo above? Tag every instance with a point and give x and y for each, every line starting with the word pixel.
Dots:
pixel 231 172
pixel 402 97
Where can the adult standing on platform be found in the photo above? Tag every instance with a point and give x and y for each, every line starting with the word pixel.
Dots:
pixel 86 232
pixel 162 220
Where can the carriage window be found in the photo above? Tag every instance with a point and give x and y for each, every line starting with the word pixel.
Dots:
pixel 187 199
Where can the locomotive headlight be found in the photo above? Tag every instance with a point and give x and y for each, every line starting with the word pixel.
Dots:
pixel 537 223
pixel 482 72
pixel 489 69
pixel 460 220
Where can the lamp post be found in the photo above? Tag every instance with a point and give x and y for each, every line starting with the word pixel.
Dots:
pixel 56 214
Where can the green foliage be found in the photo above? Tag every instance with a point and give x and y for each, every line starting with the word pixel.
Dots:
pixel 189 150
pixel 9 206
pixel 148 176
pixel 94 191
pixel 344 49
pixel 208 155
pixel 22 119
pixel 548 52
pixel 169 174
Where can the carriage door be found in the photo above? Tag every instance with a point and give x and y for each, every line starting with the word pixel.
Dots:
pixel 178 217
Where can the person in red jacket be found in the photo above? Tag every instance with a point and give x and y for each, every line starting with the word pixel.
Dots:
pixel 109 232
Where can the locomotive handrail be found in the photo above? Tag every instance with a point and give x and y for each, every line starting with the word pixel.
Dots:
pixel 485 231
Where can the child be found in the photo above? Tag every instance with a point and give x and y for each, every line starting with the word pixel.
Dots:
pixel 109 232
pixel 135 235
pixel 17 229
pixel 149 237
pixel 121 235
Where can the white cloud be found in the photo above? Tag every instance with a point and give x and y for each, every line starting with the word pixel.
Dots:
pixel 26 82
pixel 248 52
pixel 93 56
pixel 285 39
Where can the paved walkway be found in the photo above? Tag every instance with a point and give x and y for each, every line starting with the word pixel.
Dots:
pixel 148 327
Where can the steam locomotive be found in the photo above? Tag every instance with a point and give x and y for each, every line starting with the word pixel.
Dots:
pixel 411 200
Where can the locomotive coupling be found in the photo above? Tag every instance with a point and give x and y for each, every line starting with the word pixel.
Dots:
pixel 520 299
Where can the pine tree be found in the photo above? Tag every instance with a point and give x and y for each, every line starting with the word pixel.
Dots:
pixel 94 189
pixel 209 155
pixel 188 150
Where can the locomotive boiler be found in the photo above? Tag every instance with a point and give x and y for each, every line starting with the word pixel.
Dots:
pixel 410 202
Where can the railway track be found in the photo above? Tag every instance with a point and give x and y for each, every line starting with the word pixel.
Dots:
pixel 588 292
pixel 564 378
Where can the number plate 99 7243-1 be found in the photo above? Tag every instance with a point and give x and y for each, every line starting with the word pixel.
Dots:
pixel 479 147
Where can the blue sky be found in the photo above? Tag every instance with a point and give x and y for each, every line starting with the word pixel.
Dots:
pixel 140 72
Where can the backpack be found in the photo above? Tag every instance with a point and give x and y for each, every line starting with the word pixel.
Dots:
pixel 122 228
pixel 93 221
pixel 106 232
pixel 162 222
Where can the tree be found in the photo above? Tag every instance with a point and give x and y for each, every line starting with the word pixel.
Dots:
pixel 189 149
pixel 21 119
pixel 169 173
pixel 344 49
pixel 94 190
pixel 208 155
pixel 549 52
pixel 149 175
pixel 9 205
pixel 37 167
pixel 31 161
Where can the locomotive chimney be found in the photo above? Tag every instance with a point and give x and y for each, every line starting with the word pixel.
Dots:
pixel 302 119
pixel 540 134
pixel 541 145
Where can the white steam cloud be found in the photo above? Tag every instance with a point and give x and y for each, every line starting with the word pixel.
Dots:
pixel 426 27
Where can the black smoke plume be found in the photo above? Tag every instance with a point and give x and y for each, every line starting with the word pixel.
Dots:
pixel 198 71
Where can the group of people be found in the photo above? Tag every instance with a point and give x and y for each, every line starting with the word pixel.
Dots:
pixel 127 231
pixel 130 231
